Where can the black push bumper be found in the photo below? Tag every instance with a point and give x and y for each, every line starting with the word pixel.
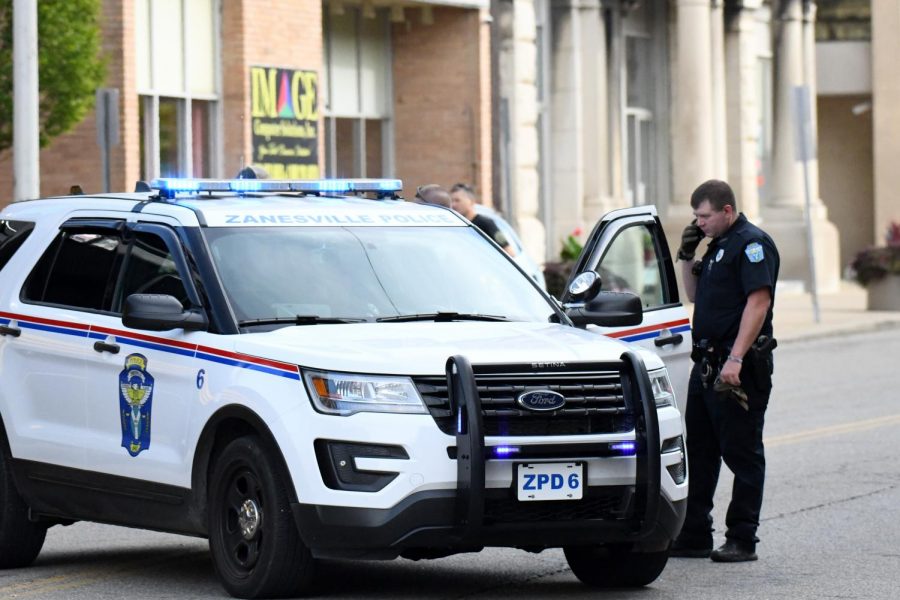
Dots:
pixel 441 522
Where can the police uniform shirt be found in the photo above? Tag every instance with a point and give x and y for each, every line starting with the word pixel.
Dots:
pixel 742 260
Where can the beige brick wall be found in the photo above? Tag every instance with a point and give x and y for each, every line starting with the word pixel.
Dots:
pixel 277 33
pixel 442 101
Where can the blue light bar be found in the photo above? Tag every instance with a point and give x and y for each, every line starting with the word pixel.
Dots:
pixel 169 187
pixel 624 448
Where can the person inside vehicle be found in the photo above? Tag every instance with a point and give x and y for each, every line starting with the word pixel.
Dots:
pixel 462 198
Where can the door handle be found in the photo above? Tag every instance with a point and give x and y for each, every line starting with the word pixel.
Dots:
pixel 105 347
pixel 665 341
pixel 7 330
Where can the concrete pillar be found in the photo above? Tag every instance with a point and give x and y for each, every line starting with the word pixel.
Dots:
pixel 717 56
pixel 785 213
pixel 886 113
pixel 525 180
pixel 595 104
pixel 692 127
pixel 743 111
pixel 26 151
pixel 567 121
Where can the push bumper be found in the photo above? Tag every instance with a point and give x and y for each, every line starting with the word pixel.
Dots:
pixel 470 517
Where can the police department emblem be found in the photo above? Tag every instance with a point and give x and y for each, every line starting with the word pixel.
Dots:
pixel 720 254
pixel 754 252
pixel 135 403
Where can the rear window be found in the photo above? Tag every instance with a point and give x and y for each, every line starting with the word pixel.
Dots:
pixel 12 235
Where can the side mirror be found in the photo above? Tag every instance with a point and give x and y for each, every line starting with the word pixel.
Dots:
pixel 608 309
pixel 160 312
pixel 585 286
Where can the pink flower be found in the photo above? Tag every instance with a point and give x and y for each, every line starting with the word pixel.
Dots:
pixel 577 231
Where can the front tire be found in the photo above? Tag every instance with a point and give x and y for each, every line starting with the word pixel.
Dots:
pixel 615 566
pixel 21 540
pixel 255 545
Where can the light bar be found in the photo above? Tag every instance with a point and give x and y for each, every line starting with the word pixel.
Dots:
pixel 169 187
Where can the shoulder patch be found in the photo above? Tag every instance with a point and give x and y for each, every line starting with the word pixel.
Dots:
pixel 754 252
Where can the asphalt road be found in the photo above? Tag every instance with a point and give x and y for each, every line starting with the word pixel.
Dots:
pixel 831 517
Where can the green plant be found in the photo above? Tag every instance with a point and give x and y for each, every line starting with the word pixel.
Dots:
pixel 571 247
pixel 874 263
pixel 70 68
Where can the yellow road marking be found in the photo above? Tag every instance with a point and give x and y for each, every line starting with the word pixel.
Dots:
pixel 802 436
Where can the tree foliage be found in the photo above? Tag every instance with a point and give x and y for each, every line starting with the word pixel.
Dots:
pixel 69 65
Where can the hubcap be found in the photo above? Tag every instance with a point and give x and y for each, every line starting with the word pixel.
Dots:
pixel 249 518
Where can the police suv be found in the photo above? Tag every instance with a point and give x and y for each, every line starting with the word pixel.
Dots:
pixel 303 370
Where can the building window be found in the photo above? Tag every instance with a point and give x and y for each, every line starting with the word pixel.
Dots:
pixel 357 93
pixel 178 86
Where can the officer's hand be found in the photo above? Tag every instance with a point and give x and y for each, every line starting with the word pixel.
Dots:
pixel 731 373
pixel 690 239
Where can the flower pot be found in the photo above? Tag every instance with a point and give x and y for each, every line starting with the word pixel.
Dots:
pixel 884 293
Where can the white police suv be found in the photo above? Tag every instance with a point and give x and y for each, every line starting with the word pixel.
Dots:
pixel 307 370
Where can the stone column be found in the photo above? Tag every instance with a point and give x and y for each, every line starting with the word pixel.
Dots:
pixel 785 213
pixel 523 124
pixel 743 111
pixel 567 122
pixel 717 56
pixel 886 113
pixel 692 127
pixel 595 104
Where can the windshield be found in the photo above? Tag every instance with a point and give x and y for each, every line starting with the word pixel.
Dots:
pixel 368 273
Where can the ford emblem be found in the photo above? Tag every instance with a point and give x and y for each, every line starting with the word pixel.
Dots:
pixel 541 400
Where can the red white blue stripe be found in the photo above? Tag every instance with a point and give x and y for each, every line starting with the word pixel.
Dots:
pixel 152 342
pixel 651 331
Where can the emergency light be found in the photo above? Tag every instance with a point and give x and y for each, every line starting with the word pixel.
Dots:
pixel 169 187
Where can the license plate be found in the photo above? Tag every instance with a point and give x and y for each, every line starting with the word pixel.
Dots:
pixel 550 481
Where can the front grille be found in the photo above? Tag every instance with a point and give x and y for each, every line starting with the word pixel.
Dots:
pixel 595 402
pixel 610 503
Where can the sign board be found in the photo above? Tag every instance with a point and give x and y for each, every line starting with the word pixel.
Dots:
pixel 285 122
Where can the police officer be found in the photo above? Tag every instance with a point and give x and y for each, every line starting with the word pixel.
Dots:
pixel 733 290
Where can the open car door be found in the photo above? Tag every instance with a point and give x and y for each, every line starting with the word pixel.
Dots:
pixel 628 249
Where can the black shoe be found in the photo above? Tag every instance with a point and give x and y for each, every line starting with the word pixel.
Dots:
pixel 682 550
pixel 734 551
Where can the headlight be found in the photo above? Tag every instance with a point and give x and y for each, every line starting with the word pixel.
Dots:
pixel 662 388
pixel 346 393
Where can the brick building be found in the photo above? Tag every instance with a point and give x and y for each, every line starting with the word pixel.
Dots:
pixel 375 88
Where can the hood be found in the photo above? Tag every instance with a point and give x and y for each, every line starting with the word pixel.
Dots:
pixel 422 348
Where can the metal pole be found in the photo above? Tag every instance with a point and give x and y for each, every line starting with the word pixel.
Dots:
pixel 804 153
pixel 26 140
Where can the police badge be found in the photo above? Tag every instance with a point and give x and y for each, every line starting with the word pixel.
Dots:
pixel 135 403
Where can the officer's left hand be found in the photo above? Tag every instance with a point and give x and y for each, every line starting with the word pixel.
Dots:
pixel 731 373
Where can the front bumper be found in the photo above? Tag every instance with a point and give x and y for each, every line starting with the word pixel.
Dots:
pixel 471 516
pixel 424 526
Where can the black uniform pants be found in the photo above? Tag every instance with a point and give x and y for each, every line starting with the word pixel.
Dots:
pixel 719 428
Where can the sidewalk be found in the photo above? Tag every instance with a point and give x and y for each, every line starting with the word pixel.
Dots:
pixel 841 313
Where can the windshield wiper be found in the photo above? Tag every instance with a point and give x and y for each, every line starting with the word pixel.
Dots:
pixel 439 317
pixel 298 320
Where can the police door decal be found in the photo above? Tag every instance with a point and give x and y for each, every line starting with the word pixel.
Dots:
pixel 135 403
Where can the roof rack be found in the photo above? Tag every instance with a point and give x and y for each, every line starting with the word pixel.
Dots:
pixel 170 187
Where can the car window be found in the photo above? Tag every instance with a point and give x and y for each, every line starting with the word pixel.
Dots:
pixel 150 269
pixel 12 235
pixel 77 270
pixel 368 272
pixel 631 264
